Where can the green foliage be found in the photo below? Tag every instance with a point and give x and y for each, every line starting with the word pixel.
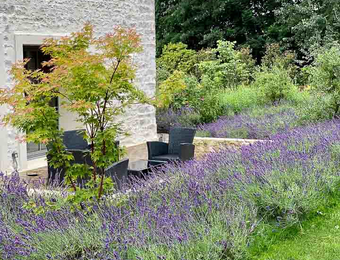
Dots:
pixel 230 69
pixel 275 84
pixel 299 97
pixel 312 22
pixel 274 56
pixel 316 108
pixel 210 107
pixel 193 93
pixel 246 22
pixel 172 87
pixel 295 25
pixel 325 74
pixel 240 99
pixel 177 57
pixel 274 77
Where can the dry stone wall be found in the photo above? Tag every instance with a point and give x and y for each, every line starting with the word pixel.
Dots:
pixel 205 145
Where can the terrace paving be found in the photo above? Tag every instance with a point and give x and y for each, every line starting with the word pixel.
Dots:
pixel 41 175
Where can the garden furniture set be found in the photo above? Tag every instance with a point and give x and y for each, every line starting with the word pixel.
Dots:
pixel 180 148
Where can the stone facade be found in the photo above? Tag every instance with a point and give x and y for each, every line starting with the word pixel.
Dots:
pixel 28 22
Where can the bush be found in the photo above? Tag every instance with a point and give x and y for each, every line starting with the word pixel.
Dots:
pixel 210 107
pixel 244 97
pixel 176 56
pixel 299 97
pixel 316 108
pixel 230 69
pixel 274 57
pixel 168 91
pixel 275 83
pixel 325 74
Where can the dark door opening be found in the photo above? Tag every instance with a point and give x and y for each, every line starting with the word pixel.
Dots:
pixel 37 57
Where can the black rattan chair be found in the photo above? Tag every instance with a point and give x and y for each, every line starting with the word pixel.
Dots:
pixel 74 139
pixel 180 146
pixel 118 173
pixel 78 146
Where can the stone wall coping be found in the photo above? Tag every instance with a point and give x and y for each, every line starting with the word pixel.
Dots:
pixel 228 140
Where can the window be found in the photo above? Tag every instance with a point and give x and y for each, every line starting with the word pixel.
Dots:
pixel 37 57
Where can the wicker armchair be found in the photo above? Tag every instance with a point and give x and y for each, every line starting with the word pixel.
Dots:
pixel 180 146
pixel 78 146
pixel 74 139
pixel 118 173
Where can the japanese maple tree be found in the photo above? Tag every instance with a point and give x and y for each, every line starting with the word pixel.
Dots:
pixel 94 79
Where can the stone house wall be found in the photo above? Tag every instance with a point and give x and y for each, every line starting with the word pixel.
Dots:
pixel 28 22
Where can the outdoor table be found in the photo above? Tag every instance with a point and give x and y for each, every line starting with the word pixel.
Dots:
pixel 141 168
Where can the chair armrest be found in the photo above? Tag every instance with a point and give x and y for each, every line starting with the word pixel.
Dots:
pixel 157 148
pixel 186 151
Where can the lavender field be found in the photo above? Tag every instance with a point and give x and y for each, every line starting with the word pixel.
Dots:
pixel 208 209
pixel 252 125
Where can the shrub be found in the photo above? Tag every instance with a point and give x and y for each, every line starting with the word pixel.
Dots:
pixel 240 99
pixel 161 75
pixel 299 97
pixel 230 69
pixel 176 56
pixel 168 91
pixel 192 94
pixel 210 107
pixel 325 74
pixel 274 57
pixel 275 83
pixel 317 108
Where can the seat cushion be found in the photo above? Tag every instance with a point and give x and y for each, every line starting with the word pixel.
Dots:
pixel 166 157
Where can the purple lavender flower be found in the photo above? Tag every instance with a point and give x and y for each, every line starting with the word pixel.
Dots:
pixel 220 198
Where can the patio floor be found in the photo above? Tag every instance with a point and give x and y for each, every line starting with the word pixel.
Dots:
pixel 35 175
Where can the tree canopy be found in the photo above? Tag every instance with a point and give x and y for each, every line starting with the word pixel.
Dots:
pixel 295 24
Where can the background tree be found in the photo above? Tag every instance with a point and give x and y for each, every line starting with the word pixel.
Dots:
pixel 295 25
pixel 200 24
pixel 306 24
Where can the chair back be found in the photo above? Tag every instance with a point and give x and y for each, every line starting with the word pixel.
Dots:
pixel 118 172
pixel 74 140
pixel 179 136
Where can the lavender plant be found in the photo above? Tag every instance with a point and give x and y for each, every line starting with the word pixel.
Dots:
pixel 258 123
pixel 185 117
pixel 207 209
